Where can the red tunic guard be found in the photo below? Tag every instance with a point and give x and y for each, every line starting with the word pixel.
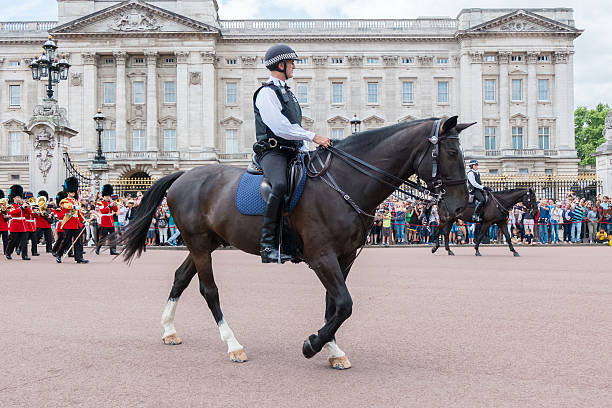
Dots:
pixel 18 218
pixel 107 210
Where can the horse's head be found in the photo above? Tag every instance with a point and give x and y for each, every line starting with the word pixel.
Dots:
pixel 450 175
pixel 530 201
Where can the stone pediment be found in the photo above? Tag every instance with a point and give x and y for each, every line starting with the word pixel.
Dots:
pixel 338 120
pixel 231 121
pixel 133 17
pixel 374 121
pixel 13 124
pixel 522 21
pixel 407 118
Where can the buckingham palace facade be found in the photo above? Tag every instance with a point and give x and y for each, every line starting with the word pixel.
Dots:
pixel 176 83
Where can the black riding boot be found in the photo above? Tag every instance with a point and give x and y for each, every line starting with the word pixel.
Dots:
pixel 269 230
pixel 477 206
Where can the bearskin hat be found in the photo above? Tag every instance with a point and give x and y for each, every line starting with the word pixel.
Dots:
pixel 107 190
pixel 71 185
pixel 15 191
pixel 28 194
pixel 43 193
pixel 60 196
pixel 1 194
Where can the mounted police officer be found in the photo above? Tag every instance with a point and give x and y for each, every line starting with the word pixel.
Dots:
pixel 280 137
pixel 476 188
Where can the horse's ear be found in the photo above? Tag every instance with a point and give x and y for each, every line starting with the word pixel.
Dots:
pixel 462 126
pixel 449 124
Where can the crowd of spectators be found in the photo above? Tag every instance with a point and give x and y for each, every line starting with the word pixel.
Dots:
pixel 568 221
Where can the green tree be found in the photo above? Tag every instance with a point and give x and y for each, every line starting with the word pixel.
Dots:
pixel 589 125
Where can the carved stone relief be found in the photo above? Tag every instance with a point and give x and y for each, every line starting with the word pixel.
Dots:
pixel 76 78
pixel 532 57
pixel 208 57
pixel 181 56
pixel 44 144
pixel 561 57
pixel 354 60
pixel 195 78
pixel 390 60
pixel 248 61
pixel 476 56
pixel 425 59
pixel 134 20
pixel 319 59
pixel 88 58
pixel 50 109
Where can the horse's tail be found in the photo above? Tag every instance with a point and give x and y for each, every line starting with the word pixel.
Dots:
pixel 134 237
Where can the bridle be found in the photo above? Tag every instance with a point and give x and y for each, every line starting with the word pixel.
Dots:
pixel 434 189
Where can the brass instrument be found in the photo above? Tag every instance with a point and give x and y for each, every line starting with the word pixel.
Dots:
pixel 4 204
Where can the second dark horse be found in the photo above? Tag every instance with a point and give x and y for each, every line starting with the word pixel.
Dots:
pixel 331 231
pixel 495 211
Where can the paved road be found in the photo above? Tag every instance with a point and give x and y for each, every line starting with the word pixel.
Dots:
pixel 426 331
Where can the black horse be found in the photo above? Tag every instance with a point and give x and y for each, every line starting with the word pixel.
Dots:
pixel 495 211
pixel 331 231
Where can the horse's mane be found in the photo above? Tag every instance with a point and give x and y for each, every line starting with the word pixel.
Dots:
pixel 372 137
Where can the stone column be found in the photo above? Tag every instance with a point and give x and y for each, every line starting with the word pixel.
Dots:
pixel 182 100
pixel 465 109
pixel 504 102
pixel 120 102
pixel 90 102
pixel 477 135
pixel 320 85
pixel 209 94
pixel 152 133
pixel 560 101
pixel 570 103
pixel 532 101
pixel 389 88
pixel 353 88
pixel 603 157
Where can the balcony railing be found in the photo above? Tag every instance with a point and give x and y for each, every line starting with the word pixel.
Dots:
pixel 142 155
pixel 27 25
pixel 521 152
pixel 15 158
pixel 340 26
pixel 235 156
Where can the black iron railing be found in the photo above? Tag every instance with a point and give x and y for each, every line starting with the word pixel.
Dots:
pixel 73 171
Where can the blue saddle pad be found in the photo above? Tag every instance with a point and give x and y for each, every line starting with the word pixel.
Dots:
pixel 248 196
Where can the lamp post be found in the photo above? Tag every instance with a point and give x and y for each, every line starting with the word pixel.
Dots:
pixel 49 67
pixel 99 165
pixel 355 124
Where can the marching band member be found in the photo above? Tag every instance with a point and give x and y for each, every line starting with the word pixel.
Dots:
pixel 44 219
pixel 17 225
pixel 107 209
pixel 59 213
pixel 72 223
pixel 31 226
pixel 4 219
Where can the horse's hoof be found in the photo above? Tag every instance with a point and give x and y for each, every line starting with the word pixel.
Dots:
pixel 451 253
pixel 434 249
pixel 172 340
pixel 238 356
pixel 339 363
pixel 307 350
pixel 477 253
pixel 516 253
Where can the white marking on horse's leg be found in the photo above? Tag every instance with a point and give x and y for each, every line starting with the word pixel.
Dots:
pixel 333 350
pixel 227 335
pixel 167 320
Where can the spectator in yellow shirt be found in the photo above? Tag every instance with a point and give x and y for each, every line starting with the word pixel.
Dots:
pixel 386 227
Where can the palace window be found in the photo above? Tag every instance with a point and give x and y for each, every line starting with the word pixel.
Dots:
pixel 493 172
pixel 442 61
pixel 337 93
pixel 14 143
pixel 517 137
pixel 548 172
pixel 517 90
pixel 231 93
pixel 372 61
pixel 543 94
pixel 373 92
pixel 301 61
pixel 139 61
pixel 407 92
pixel 338 133
pixel 544 137
pixel 169 60
pixel 443 92
pixel 138 140
pixel 15 95
pixel 488 58
pixel 231 61
pixel 302 92
pixel 169 140
pixel 490 90
pixel 14 64
pixel 407 60
pixel 109 93
pixel 169 92
pixel 231 141
pixel 337 60
pixel 139 93
pixel 543 58
pixel 109 61
pixel 109 141
pixel 490 138
pixel 523 172
pixel 516 58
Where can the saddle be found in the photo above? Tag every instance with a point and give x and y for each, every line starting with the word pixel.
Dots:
pixel 485 193
pixel 295 174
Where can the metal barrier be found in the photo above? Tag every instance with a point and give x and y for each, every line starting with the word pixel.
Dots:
pixel 551 187
pixel 84 178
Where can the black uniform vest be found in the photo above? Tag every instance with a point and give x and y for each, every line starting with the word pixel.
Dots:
pixel 290 109
pixel 477 178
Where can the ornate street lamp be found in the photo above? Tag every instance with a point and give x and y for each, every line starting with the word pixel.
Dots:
pixel 49 66
pixel 355 124
pixel 99 119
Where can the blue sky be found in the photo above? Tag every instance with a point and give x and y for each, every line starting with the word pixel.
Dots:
pixel 592 60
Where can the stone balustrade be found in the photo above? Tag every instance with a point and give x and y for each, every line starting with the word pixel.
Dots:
pixel 27 25
pixel 15 158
